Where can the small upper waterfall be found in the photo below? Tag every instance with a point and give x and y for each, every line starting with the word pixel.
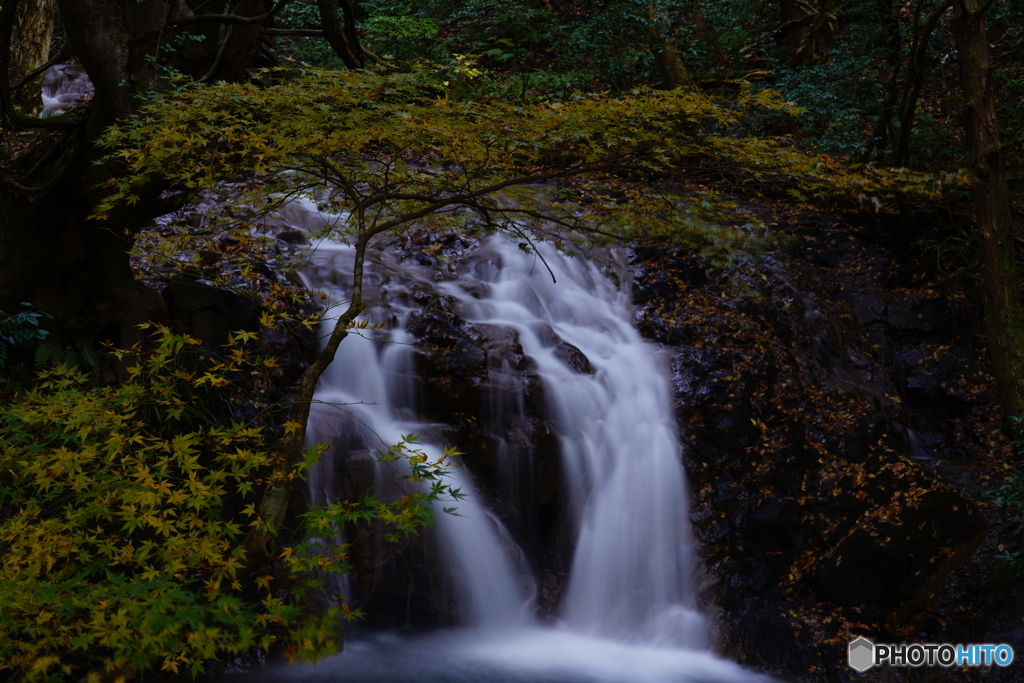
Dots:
pixel 64 86
pixel 629 610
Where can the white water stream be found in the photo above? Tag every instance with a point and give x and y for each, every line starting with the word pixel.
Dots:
pixel 629 578
pixel 629 613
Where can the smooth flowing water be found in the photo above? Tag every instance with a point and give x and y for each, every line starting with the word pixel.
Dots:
pixel 630 574
pixel 629 613
pixel 64 86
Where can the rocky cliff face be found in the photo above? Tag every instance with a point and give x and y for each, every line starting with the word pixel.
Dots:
pixel 840 428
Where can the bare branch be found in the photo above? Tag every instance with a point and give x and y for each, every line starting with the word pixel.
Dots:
pixel 299 32
pixel 189 17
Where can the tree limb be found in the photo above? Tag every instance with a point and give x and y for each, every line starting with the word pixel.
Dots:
pixel 343 39
pixel 187 16
pixel 61 55
pixel 300 32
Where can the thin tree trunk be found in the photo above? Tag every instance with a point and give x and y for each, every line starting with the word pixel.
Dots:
pixel 908 108
pixel 241 44
pixel 260 543
pixel 875 148
pixel 1004 317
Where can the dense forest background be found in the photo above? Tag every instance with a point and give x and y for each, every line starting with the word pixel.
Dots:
pixel 904 116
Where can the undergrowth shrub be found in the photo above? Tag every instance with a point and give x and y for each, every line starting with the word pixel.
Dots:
pixel 1009 498
pixel 122 511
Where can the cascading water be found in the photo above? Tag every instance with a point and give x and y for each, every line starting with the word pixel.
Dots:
pixel 630 574
pixel 366 381
pixel 629 614
pixel 64 86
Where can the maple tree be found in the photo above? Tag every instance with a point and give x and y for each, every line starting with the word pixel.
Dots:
pixel 123 510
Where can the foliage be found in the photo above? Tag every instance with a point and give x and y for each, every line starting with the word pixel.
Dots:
pixel 599 45
pixel 121 512
pixel 391 149
pixel 398 30
pixel 304 14
pixel 17 328
pixel 411 512
pixel 1009 498
pixel 49 354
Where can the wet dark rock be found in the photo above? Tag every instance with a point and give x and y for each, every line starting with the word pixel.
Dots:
pixel 292 236
pixel 976 587
pixel 775 522
pixel 768 633
pixel 942 518
pixel 867 568
pixel 830 258
pixel 476 380
pixel 209 313
pixel 824 411
pixel 869 307
pixel 923 316
pixel 682 267
pixel 854 444
pixel 573 357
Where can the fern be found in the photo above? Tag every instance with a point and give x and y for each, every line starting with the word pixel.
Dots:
pixel 88 357
pixel 49 354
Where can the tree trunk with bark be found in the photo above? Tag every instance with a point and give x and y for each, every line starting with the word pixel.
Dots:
pixel 241 45
pixel 77 269
pixel 808 31
pixel 65 264
pixel 342 34
pixel 667 61
pixel 33 32
pixel 1004 316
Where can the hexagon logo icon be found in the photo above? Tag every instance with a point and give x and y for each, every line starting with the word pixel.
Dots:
pixel 861 654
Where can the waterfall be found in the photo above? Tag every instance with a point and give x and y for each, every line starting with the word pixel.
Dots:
pixel 630 574
pixel 64 86
pixel 629 611
pixel 366 382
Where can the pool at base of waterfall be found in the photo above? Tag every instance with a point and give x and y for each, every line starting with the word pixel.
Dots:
pixel 530 655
